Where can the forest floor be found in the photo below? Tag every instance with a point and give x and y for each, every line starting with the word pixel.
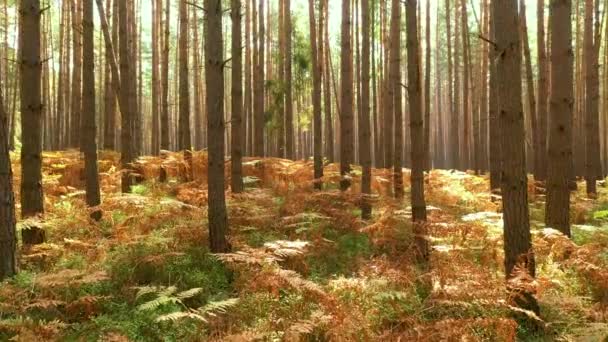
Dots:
pixel 304 267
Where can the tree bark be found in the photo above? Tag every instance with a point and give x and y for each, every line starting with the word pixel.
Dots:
pixel 8 236
pixel 316 99
pixel 156 27
pixel 237 101
pixel 414 88
pixel 289 130
pixel 561 112
pixel 260 122
pixel 365 149
pixel 76 108
pixel 164 115
pixel 89 122
pixel 427 91
pixel 214 66
pixel 529 85
pixel 346 115
pixel 128 110
pixel 184 140
pixel 396 96
pixel 540 155
pixel 494 142
pixel 517 238
pixel 592 135
pixel 32 198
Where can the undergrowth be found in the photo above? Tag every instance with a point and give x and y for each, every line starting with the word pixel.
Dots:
pixel 304 265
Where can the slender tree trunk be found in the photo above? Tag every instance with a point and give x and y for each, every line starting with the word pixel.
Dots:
pixel 482 148
pixel 592 135
pixel 156 19
pixel 346 115
pixel 127 140
pixel 289 129
pixel 427 91
pixel 32 198
pixel 59 95
pixel 495 145
pixel 517 238
pixel 316 99
pixel 450 85
pixel 395 91
pixel 325 61
pixel 365 151
pixel 8 235
pixel 466 109
pixel 184 84
pixel 561 112
pixel 540 155
pixel 248 78
pixel 237 101
pixel 164 115
pixel 529 84
pixel 414 88
pixel 89 122
pixel 214 66
pixel 76 73
pixel 258 145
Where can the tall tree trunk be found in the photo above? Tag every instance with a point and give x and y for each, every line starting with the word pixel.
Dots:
pixel 109 95
pixel 346 115
pixel 495 144
pixel 517 238
pixel 529 84
pixel 455 126
pixel 32 198
pixel 389 95
pixel 214 66
pixel 8 235
pixel 316 99
pixel 427 91
pixel 164 115
pixel 184 84
pixel 482 148
pixel 561 112
pixel 237 101
pixel 289 130
pixel 89 122
pixel 59 95
pixel 156 27
pixel 414 87
pixel 76 73
pixel 197 131
pixel 365 151
pixel 248 79
pixel 260 123
pixel 128 112
pixel 592 135
pixel 450 86
pixel 395 92
pixel 540 155
pixel 466 109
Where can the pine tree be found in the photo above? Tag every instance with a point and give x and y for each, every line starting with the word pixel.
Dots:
pixel 346 115
pixel 557 214
pixel 214 66
pixel 237 101
pixel 89 121
pixel 8 236
pixel 414 87
pixel 365 149
pixel 517 238
pixel 32 198
pixel 316 99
